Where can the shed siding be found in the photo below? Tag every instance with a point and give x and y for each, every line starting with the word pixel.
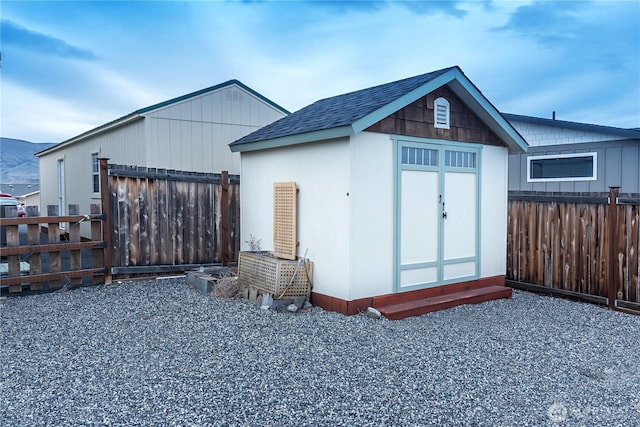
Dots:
pixel 321 171
pixel 539 135
pixel 618 165
pixel 371 222
pixel 493 211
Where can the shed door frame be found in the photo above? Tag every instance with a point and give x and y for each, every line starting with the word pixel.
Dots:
pixel 436 171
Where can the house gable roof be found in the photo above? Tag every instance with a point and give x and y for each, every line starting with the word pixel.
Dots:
pixel 348 114
pixel 584 127
pixel 140 113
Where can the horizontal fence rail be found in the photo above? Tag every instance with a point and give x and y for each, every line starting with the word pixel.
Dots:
pixel 583 245
pixel 47 253
pixel 166 220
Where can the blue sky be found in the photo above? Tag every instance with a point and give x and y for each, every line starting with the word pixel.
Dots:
pixel 70 66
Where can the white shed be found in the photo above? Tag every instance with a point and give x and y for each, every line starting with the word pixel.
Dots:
pixel 402 200
pixel 188 133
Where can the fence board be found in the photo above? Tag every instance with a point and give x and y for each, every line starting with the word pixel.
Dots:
pixel 133 205
pixel 210 231
pixel 54 258
pixel 52 274
pixel 143 221
pixel 170 218
pixel 153 233
pixel 35 266
pixel 166 241
pixel 74 237
pixel 563 243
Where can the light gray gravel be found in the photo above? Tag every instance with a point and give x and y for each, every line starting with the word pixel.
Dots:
pixel 160 353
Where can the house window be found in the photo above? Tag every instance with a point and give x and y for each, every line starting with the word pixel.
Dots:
pixel 95 172
pixel 441 113
pixel 562 167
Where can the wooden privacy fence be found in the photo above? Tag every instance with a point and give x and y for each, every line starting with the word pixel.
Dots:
pixel 577 245
pixel 165 220
pixel 51 254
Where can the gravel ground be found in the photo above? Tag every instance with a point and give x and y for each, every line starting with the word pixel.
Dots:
pixel 160 353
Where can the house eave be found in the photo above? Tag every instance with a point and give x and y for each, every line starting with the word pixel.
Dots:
pixel 303 138
pixel 93 132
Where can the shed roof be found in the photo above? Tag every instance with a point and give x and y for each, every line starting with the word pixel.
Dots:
pixel 585 127
pixel 139 114
pixel 348 114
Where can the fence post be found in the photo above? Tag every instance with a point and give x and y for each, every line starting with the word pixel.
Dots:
pixel 55 260
pixel 224 218
pixel 106 224
pixel 75 257
pixel 612 288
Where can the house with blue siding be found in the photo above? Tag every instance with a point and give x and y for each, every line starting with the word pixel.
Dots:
pixel 572 157
pixel 402 193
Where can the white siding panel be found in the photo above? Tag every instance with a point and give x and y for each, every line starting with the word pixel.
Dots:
pixel 493 211
pixel 196 109
pixel 169 144
pixel 321 173
pixel 207 108
pixel 371 221
pixel 187 154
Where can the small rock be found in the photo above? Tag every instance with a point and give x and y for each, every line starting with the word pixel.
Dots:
pixel 267 301
pixel 292 308
pixel 307 305
pixel 373 313
pixel 299 302
pixel 280 304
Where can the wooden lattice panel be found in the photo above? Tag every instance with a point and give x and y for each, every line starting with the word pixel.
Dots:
pixel 271 275
pixel 285 240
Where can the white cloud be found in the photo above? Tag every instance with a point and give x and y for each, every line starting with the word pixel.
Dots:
pixel 30 115
pixel 295 54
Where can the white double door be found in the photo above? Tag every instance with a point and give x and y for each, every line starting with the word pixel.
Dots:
pixel 437 215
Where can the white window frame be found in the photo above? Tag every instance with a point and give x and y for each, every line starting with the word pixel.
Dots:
pixel 95 156
pixel 447 110
pixel 594 176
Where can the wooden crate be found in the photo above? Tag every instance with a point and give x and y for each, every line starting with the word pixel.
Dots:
pixel 271 275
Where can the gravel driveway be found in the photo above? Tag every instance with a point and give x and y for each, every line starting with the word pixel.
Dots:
pixel 160 353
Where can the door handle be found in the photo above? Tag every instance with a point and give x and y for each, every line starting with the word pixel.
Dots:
pixel 444 214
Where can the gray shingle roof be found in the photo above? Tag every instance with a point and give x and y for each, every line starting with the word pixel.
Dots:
pixel 338 111
pixel 585 127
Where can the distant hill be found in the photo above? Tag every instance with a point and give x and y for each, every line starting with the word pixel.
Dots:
pixel 18 165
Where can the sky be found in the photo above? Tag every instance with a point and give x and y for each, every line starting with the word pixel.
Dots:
pixel 67 67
